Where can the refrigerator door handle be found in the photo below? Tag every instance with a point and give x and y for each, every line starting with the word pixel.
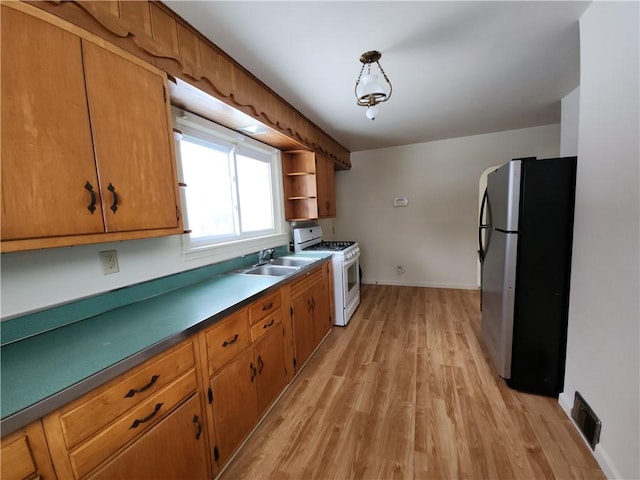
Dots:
pixel 482 226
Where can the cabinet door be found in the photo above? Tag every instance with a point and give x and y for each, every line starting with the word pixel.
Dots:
pixel 129 123
pixel 173 449
pixel 303 328
pixel 235 403
pixel 46 147
pixel 25 454
pixel 320 311
pixel 272 375
pixel 325 177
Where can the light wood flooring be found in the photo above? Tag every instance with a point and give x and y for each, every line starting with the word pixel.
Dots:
pixel 406 391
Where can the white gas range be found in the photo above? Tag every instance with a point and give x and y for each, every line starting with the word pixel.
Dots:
pixel 346 268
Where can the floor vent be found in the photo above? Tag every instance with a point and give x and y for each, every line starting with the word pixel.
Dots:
pixel 586 420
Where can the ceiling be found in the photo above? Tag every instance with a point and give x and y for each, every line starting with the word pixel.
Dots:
pixel 457 68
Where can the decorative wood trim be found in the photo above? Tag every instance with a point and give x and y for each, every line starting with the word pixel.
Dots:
pixel 157 35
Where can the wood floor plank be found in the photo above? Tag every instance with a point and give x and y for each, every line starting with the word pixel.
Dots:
pixel 406 391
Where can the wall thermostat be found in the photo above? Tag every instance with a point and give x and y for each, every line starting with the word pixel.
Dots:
pixel 400 202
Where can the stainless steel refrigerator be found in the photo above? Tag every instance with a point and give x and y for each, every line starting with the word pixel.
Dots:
pixel 525 237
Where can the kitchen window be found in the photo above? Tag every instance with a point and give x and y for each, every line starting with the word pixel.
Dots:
pixel 231 189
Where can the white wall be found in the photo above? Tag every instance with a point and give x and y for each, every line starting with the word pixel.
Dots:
pixel 435 237
pixel 603 361
pixel 39 279
pixel 569 122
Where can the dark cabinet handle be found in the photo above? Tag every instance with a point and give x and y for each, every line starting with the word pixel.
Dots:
pixel 114 205
pixel 313 303
pixel 229 342
pixel 253 371
pixel 92 205
pixel 196 420
pixel 260 364
pixel 267 325
pixel 309 307
pixel 133 391
pixel 267 306
pixel 147 418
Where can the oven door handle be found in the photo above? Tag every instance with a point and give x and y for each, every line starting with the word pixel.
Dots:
pixel 351 261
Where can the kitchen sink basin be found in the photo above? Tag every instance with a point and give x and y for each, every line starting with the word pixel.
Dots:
pixel 292 261
pixel 271 270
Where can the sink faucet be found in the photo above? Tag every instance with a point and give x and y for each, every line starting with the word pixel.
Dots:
pixel 265 255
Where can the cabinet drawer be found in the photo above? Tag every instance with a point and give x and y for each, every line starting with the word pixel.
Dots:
pixel 148 413
pixel 300 286
pixel 227 339
pixel 265 325
pixel 92 412
pixel 265 306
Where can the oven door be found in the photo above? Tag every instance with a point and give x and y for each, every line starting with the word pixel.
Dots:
pixel 351 286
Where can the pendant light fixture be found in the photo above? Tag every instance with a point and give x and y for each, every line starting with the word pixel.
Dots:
pixel 370 90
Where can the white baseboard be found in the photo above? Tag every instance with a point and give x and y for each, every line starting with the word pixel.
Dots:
pixel 457 286
pixel 600 453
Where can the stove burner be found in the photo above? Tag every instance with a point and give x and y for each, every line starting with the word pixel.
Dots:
pixel 333 246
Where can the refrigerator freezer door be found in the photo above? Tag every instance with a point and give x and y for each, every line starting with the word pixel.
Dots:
pixel 503 188
pixel 498 298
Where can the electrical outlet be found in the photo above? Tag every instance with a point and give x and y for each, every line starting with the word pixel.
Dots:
pixel 399 269
pixel 109 260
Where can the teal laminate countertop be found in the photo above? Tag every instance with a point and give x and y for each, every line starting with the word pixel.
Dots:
pixel 44 372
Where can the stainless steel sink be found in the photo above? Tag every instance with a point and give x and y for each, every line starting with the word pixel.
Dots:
pixel 292 261
pixel 271 270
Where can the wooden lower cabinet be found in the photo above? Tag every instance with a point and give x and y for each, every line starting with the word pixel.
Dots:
pixel 173 449
pixel 152 406
pixel 24 455
pixel 272 375
pixel 234 403
pixel 303 329
pixel 310 313
pixel 183 413
pixel 242 391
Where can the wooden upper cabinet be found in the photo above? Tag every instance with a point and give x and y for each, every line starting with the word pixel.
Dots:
pixel 47 152
pixel 325 178
pixel 309 185
pixel 87 148
pixel 132 144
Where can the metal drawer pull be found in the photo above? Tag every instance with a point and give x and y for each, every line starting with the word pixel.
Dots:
pixel 253 371
pixel 133 391
pixel 267 325
pixel 196 420
pixel 147 418
pixel 267 306
pixel 114 205
pixel 260 364
pixel 229 342
pixel 92 205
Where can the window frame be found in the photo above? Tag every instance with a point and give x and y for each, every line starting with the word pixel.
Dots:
pixel 204 130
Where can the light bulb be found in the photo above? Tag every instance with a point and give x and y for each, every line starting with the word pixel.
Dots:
pixel 372 112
